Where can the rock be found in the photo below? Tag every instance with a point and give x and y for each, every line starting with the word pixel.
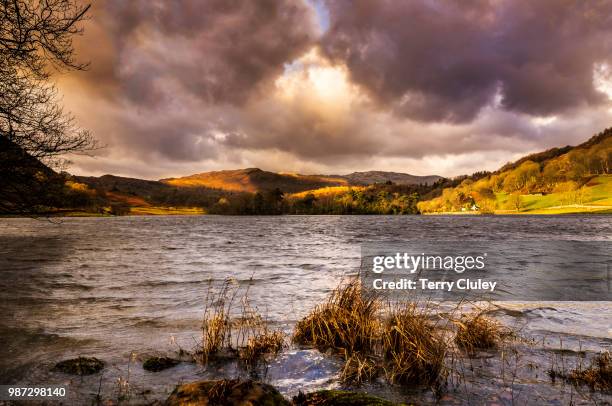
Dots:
pixel 156 364
pixel 80 366
pixel 226 392
pixel 339 398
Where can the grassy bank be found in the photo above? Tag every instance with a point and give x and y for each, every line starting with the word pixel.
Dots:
pixel 593 198
pixel 153 211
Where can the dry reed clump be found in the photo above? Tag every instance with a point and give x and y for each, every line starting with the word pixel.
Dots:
pixel 216 322
pixel 405 346
pixel 232 330
pixel 598 375
pixel 359 368
pixel 347 322
pixel 261 345
pixel 413 347
pixel 475 331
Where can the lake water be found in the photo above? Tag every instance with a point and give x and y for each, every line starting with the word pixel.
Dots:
pixel 111 287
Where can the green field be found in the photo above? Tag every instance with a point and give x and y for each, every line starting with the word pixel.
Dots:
pixel 596 197
pixel 155 210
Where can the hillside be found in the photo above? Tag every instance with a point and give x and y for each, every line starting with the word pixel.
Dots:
pixel 132 192
pixel 254 180
pixel 371 177
pixel 25 182
pixel 559 180
pixel 249 191
pixel 129 186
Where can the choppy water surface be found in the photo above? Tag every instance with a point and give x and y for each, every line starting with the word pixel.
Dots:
pixel 107 287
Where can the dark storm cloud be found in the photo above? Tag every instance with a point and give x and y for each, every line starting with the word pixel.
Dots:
pixel 219 50
pixel 165 73
pixel 231 83
pixel 435 60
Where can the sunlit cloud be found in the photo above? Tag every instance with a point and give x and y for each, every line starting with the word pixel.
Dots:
pixel 602 79
pixel 326 86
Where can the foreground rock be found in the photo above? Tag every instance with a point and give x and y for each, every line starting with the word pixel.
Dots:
pixel 80 366
pixel 226 392
pixel 339 398
pixel 156 364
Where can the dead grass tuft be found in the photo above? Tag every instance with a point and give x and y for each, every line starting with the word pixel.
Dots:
pixel 220 390
pixel 347 322
pixel 405 345
pixel 359 368
pixel 598 375
pixel 261 345
pixel 475 331
pixel 413 347
pixel 216 322
pixel 233 328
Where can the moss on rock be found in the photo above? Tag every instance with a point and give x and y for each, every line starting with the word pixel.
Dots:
pixel 80 366
pixel 226 392
pixel 156 364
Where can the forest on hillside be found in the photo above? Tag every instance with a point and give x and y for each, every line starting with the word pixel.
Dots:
pixel 557 177
pixel 385 198
pixel 567 173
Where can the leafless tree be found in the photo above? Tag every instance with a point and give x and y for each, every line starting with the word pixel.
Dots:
pixel 35 40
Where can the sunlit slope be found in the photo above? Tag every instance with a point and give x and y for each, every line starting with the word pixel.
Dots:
pixel 324 192
pixel 561 180
pixel 594 197
pixel 254 180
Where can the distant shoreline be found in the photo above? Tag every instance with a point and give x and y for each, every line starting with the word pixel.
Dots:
pixel 540 213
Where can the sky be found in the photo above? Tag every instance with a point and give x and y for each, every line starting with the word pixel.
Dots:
pixel 335 86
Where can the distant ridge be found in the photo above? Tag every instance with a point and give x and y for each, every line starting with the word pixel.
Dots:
pixel 371 177
pixel 255 179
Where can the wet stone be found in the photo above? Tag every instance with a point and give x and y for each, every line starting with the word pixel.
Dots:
pixel 80 366
pixel 226 392
pixel 156 364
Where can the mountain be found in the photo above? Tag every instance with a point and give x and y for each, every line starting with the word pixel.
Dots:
pixel 558 180
pixel 371 177
pixel 134 186
pixel 143 193
pixel 255 180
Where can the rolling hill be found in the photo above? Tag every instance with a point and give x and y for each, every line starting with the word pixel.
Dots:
pixel 371 177
pixel 254 180
pixel 559 180
pixel 252 191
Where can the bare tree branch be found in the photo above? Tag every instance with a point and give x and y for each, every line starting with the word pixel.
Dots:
pixel 35 39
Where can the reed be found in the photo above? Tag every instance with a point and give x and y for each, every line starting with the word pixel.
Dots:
pixel 359 368
pixel 262 345
pixel 374 337
pixel 475 332
pixel 216 322
pixel 413 346
pixel 347 322
pixel 598 375
pixel 232 328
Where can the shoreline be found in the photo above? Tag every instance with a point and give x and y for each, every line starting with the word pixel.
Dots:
pixel 538 213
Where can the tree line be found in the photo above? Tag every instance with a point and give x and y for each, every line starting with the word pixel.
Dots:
pixel 375 199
